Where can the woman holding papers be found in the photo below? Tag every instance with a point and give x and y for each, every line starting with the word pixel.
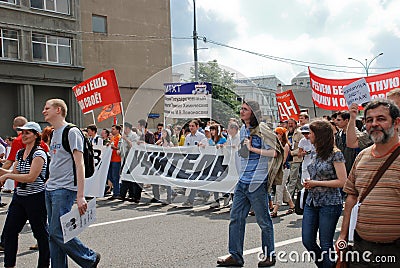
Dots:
pixel 28 202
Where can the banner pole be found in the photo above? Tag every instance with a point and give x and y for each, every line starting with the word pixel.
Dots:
pixel 94 119
pixel 122 112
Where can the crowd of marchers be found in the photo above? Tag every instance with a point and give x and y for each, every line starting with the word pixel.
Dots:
pixel 342 161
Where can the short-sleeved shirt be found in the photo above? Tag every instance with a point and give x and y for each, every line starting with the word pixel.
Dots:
pixel 233 141
pixel 378 216
pixel 125 147
pixel 148 137
pixel 255 167
pixel 18 145
pixel 115 157
pixel 192 140
pixel 15 147
pixel 324 170
pixel 61 166
pixel 307 146
pixel 24 167
pixel 211 142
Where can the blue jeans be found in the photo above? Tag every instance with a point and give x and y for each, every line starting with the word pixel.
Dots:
pixel 323 220
pixel 113 176
pixel 58 203
pixel 242 201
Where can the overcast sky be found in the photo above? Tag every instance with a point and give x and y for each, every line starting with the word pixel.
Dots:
pixel 315 31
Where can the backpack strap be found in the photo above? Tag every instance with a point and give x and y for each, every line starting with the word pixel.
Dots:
pixel 67 146
pixel 47 161
pixel 19 157
pixel 30 159
pixel 20 154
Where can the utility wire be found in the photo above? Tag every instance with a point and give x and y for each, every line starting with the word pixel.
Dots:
pixel 146 38
pixel 294 61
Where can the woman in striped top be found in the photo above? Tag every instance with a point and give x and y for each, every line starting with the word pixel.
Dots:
pixel 28 202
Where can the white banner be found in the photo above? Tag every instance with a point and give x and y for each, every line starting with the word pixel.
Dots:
pixel 187 106
pixel 73 223
pixel 357 92
pixel 191 167
pixel 95 185
pixel 187 100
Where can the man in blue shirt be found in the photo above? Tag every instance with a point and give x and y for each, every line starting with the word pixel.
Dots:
pixel 251 191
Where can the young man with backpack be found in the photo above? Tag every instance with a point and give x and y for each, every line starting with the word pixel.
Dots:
pixel 65 169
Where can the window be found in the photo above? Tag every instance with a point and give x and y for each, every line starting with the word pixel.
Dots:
pixel 60 6
pixel 99 24
pixel 51 48
pixel 14 2
pixel 8 44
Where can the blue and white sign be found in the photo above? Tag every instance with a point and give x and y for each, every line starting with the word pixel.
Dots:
pixel 187 100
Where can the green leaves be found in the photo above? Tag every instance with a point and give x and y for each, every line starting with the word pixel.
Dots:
pixel 225 102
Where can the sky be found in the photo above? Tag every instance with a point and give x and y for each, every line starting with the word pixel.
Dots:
pixel 321 34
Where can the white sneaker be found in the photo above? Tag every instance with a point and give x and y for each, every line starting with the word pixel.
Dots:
pixel 215 204
pixel 187 204
pixel 227 200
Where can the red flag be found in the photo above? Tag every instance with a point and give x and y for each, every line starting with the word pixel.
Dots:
pixel 287 105
pixel 97 91
pixel 109 111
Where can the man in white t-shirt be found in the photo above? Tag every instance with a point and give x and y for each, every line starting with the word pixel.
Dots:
pixel 306 150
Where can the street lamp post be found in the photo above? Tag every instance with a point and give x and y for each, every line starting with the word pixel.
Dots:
pixel 367 64
pixel 196 64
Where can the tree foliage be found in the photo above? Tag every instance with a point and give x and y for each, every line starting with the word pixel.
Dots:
pixel 225 103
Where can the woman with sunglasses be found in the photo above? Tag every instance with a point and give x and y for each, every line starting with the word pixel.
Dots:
pixel 28 202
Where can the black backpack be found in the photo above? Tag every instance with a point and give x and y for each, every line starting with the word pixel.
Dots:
pixel 88 154
pixel 30 159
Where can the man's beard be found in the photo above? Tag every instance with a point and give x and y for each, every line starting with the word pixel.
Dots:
pixel 387 134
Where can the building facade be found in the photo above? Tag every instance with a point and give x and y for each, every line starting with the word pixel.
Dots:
pixel 40 58
pixel 263 90
pixel 47 47
pixel 133 37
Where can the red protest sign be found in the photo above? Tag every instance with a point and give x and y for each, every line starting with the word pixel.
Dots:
pixel 287 106
pixel 328 93
pixel 97 91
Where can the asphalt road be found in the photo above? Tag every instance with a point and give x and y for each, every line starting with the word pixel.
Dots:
pixel 155 235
